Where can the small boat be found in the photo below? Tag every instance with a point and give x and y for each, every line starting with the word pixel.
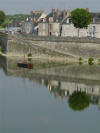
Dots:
pixel 25 65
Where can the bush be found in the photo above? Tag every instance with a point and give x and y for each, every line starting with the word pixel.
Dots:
pixel 91 61
pixel 99 61
pixel 29 59
pixel 30 55
pixel 0 50
pixel 44 51
pixel 80 60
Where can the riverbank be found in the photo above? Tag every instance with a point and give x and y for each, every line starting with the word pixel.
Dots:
pixel 53 48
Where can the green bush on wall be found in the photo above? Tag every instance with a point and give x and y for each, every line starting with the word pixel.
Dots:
pixel 80 60
pixel 99 61
pixel 0 50
pixel 30 55
pixel 91 61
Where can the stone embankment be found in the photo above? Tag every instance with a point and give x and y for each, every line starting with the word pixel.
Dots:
pixel 53 47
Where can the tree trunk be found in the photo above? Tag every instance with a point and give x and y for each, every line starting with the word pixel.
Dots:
pixel 78 32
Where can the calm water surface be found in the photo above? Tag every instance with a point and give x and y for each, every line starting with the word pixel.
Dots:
pixel 37 101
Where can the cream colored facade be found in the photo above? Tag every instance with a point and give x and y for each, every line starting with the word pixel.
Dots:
pixel 51 29
pixel 94 30
pixel 54 29
pixel 70 30
pixel 43 29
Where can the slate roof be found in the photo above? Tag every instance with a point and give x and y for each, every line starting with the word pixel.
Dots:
pixel 56 18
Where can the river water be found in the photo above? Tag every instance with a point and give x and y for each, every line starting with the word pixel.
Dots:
pixel 49 98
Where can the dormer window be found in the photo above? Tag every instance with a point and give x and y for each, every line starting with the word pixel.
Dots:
pixel 67 21
pixel 44 20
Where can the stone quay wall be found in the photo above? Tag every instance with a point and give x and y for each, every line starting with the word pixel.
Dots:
pixel 54 46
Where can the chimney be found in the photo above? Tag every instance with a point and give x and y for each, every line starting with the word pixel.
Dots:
pixel 53 10
pixel 58 12
pixel 87 9
pixel 64 14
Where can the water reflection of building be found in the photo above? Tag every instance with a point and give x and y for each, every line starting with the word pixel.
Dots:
pixel 61 80
pixel 65 89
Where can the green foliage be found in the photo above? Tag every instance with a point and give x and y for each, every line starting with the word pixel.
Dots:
pixel 91 61
pixel 81 18
pixel 29 59
pixel 30 55
pixel 99 61
pixel 0 50
pixel 44 51
pixel 2 17
pixel 6 21
pixel 18 17
pixel 80 60
pixel 78 101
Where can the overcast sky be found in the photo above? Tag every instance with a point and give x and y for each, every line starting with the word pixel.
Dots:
pixel 25 6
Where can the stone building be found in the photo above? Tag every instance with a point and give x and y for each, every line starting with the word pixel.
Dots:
pixel 54 29
pixel 27 27
pixel 58 23
pixel 36 16
pixel 43 29
pixel 93 29
pixel 54 20
pixel 68 29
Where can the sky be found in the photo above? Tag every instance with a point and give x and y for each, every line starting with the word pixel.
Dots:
pixel 25 6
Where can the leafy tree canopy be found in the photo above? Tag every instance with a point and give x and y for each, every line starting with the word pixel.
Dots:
pixel 81 18
pixel 2 17
pixel 79 101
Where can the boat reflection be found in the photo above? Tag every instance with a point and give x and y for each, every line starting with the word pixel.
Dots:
pixel 62 81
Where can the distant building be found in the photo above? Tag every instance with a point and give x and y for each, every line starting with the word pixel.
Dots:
pixel 36 16
pixel 27 27
pixel 93 29
pixel 53 20
pixel 43 29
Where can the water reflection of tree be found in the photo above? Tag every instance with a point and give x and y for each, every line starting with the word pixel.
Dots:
pixel 79 101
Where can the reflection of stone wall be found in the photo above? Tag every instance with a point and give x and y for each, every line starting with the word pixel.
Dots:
pixel 48 70
pixel 61 80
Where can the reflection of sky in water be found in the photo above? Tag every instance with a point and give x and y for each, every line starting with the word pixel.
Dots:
pixel 27 107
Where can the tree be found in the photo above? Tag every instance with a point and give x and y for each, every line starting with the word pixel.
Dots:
pixel 79 101
pixel 81 18
pixel 2 17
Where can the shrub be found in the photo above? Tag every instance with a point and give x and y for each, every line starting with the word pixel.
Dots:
pixel 30 55
pixel 91 61
pixel 80 60
pixel 99 61
pixel 29 59
pixel 44 51
pixel 0 50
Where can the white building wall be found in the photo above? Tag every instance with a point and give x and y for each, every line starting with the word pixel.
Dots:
pixel 54 28
pixel 43 29
pixel 28 27
pixel 70 30
pixel 94 30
